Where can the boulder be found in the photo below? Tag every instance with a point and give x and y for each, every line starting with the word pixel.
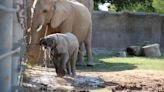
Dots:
pixel 152 50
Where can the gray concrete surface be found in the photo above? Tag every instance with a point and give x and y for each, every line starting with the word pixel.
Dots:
pixel 116 31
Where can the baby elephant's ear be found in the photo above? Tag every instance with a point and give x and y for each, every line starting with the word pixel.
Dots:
pixel 48 42
pixel 44 41
pixel 41 42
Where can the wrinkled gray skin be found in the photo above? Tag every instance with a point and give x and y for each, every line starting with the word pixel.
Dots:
pixel 63 52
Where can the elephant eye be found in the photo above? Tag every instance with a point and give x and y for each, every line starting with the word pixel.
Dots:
pixel 45 11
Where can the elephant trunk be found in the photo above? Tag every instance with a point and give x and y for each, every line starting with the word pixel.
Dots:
pixel 34 51
pixel 37 31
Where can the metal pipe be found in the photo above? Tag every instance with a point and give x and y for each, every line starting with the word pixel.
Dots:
pixel 9 53
pixel 6 27
pixel 5 9
pixel 17 36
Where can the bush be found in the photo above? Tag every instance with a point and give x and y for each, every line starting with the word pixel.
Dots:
pixel 159 5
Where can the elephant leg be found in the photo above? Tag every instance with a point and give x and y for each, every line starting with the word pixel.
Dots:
pixel 88 47
pixel 89 55
pixel 73 63
pixel 83 50
pixel 65 58
pixel 80 60
pixel 57 70
pixel 68 68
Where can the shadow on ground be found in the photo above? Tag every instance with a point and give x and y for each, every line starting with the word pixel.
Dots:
pixel 107 67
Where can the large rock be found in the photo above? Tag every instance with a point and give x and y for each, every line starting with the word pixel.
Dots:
pixel 152 50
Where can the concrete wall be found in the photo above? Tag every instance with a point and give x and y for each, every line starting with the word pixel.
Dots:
pixel 118 30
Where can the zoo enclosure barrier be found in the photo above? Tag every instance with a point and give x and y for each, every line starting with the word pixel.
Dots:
pixel 118 30
pixel 12 43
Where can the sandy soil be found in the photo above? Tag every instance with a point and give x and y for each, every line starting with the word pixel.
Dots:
pixel 145 80
pixel 120 81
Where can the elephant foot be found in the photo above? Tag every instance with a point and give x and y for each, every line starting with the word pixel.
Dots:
pixel 90 64
pixel 80 61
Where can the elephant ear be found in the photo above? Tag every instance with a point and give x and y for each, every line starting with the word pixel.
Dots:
pixel 60 13
pixel 47 42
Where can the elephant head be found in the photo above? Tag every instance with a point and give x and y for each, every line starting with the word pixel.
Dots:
pixel 47 12
pixel 47 42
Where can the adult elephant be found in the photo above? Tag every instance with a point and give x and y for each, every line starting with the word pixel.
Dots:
pixel 88 4
pixel 61 16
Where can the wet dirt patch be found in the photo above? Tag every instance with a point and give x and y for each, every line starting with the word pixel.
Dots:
pixel 131 80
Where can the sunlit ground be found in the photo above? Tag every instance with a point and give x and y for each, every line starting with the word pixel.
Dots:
pixel 109 63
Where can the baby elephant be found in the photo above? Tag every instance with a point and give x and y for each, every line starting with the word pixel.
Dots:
pixel 63 48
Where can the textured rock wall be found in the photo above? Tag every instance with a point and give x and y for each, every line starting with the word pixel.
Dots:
pixel 118 30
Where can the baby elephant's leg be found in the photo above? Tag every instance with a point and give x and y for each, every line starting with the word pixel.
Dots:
pixel 68 68
pixel 73 62
pixel 56 64
pixel 65 58
pixel 80 60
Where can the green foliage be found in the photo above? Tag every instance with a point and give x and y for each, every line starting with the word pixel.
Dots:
pixel 95 5
pixel 129 5
pixel 135 5
pixel 139 7
pixel 159 5
pixel 112 8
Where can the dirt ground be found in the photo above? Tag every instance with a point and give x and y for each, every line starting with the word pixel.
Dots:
pixel 120 81
pixel 145 80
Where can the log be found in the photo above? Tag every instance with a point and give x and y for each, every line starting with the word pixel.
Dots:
pixel 135 51
pixel 152 50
